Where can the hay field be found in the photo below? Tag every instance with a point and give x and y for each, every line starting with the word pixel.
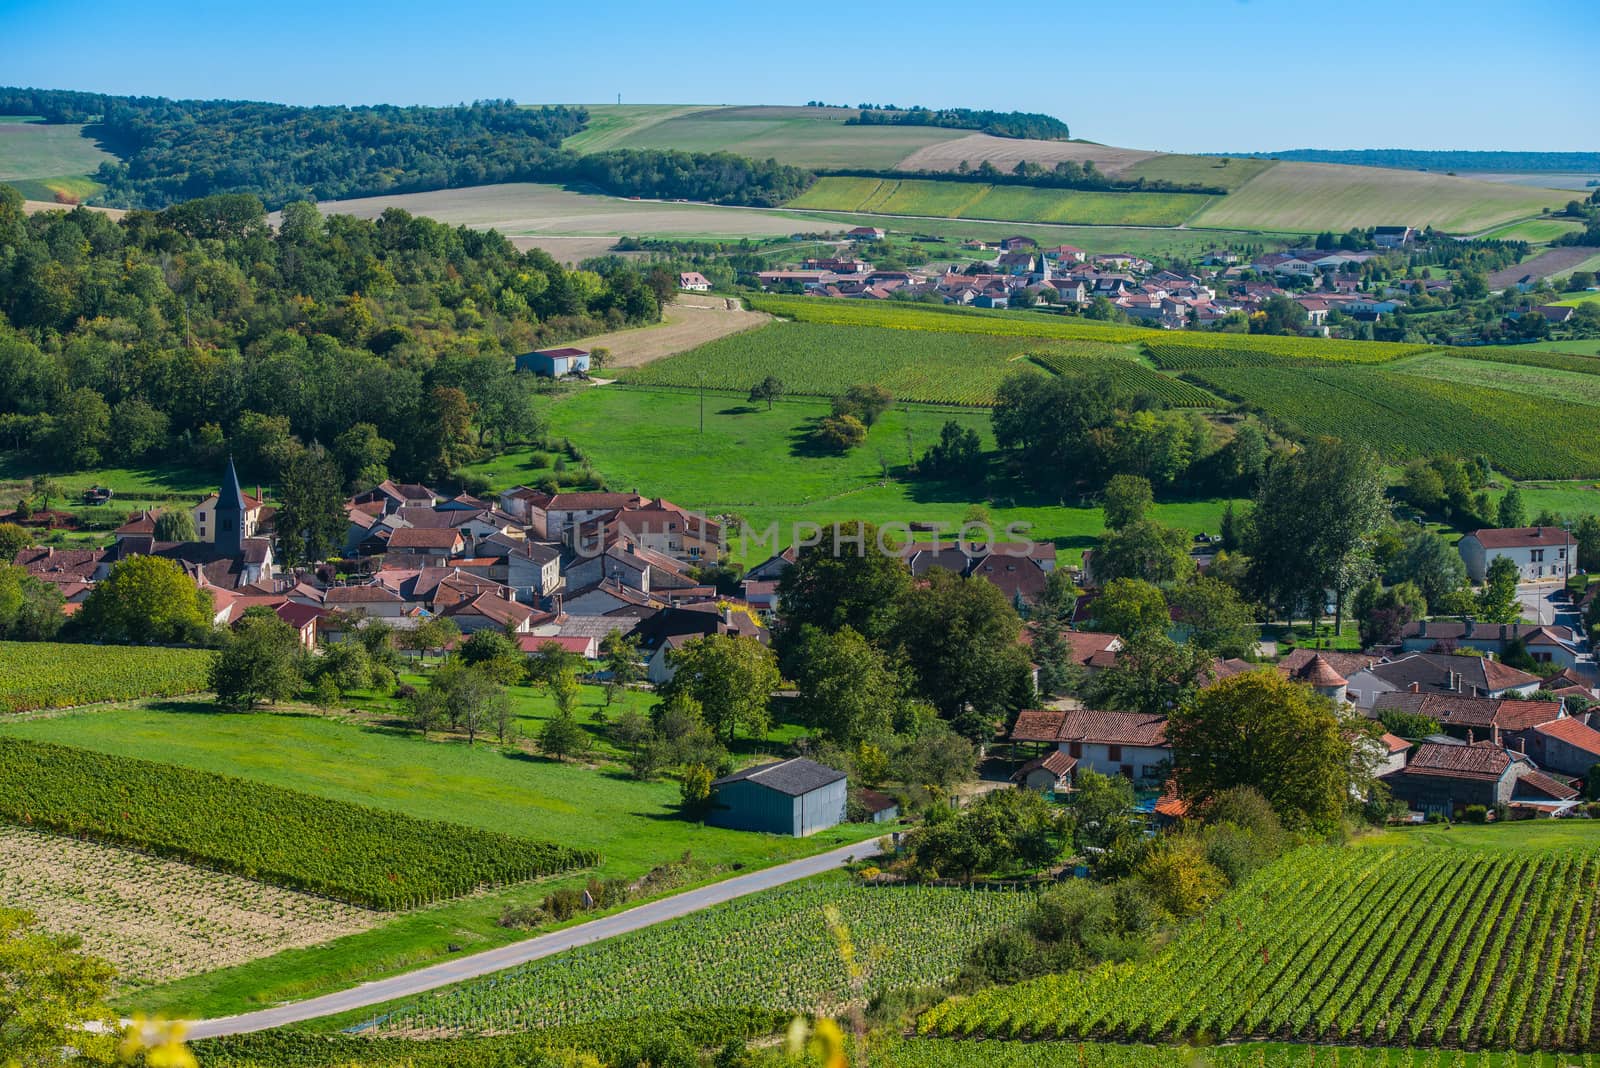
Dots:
pixel 1327 196
pixel 525 208
pixel 157 919
pixel 45 150
pixel 610 123
pixel 805 137
pixel 691 320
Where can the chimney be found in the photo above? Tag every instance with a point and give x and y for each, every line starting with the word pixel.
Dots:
pixel 1472 625
pixel 1469 735
pixel 1522 745
pixel 1496 728
pixel 1414 688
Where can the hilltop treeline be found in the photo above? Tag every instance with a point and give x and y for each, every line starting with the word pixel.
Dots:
pixel 1439 160
pixel 1025 124
pixel 198 331
pixel 1066 174
pixel 175 150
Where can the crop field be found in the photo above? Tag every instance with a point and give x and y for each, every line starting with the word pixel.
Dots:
pixel 1006 152
pixel 948 1053
pixel 822 360
pixel 1402 946
pixel 158 919
pixel 779 951
pixel 44 159
pixel 1534 379
pixel 1534 231
pixel 974 200
pixel 1130 375
pixel 349 852
pixel 1226 171
pixel 945 319
pixel 1326 196
pixel 1403 415
pixel 805 137
pixel 1179 351
pixel 1551 263
pixel 55 675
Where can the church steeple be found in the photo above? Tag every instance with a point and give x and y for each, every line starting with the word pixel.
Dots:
pixel 230 514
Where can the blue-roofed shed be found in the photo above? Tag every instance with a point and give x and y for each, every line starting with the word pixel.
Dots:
pixel 796 797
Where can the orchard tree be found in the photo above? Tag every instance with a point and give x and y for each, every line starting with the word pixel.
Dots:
pixel 495 655
pixel 261 661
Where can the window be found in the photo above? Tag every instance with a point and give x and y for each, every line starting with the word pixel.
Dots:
pixel 1075 749
pixel 1538 556
pixel 1126 771
pixel 1113 752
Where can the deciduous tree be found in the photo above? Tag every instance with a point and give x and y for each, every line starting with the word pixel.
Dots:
pixel 146 600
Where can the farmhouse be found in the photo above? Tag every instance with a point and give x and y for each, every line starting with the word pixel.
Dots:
pixel 555 363
pixel 1446 778
pixel 1393 236
pixel 1130 744
pixel 1540 553
pixel 1049 774
pixel 796 797
pixel 866 233
pixel 693 281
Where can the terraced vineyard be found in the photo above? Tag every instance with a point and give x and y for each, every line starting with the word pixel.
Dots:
pixel 365 856
pixel 1403 415
pixel 774 951
pixel 55 675
pixel 1398 946
pixel 1132 376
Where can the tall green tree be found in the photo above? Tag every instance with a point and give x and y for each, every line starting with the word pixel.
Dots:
pixel 1152 674
pixel 311 520
pixel 848 692
pixel 52 998
pixel 1261 730
pixel 958 636
pixel 844 580
pixel 30 610
pixel 1511 511
pixel 175 524
pixel 768 389
pixel 1497 600
pixel 146 600
pixel 1217 617
pixel 1146 550
pixel 1126 499
pixel 732 678
pixel 261 660
pixel 1130 607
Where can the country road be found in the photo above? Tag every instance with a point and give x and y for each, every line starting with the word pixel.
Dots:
pixel 494 960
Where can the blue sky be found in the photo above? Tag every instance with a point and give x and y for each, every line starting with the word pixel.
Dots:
pixel 1223 75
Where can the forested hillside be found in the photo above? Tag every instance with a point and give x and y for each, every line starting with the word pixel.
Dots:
pixel 192 331
pixel 175 150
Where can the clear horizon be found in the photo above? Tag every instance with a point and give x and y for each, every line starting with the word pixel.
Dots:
pixel 1216 76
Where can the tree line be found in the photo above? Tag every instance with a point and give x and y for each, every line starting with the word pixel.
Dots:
pixel 199 330
pixel 1022 124
pixel 1066 174
pixel 175 150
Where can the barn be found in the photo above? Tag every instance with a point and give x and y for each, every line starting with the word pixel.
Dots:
pixel 555 363
pixel 795 797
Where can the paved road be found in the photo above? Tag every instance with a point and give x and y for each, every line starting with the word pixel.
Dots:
pixel 493 960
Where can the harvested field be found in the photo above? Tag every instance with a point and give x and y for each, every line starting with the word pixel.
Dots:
pixel 1007 152
pixel 980 200
pixel 569 249
pixel 34 206
pixel 156 919
pixel 1328 196
pixel 1552 262
pixel 691 321
pixel 526 208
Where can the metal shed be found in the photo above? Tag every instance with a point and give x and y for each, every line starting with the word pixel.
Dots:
pixel 796 797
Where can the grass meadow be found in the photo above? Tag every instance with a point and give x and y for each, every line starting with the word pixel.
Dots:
pixel 47 159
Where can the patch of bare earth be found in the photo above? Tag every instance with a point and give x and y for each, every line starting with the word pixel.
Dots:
pixel 691 321
pixel 33 207
pixel 569 250
pixel 156 919
pixel 1006 152
pixel 1553 262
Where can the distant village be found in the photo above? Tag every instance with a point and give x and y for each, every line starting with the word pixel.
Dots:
pixel 1016 272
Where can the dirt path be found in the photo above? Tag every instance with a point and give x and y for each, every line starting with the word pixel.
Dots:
pixel 693 319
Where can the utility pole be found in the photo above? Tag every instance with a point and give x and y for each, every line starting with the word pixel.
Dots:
pixel 702 402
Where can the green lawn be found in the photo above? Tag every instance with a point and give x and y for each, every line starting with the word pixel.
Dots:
pixel 1518 834
pixel 635 825
pixel 37 150
pixel 755 463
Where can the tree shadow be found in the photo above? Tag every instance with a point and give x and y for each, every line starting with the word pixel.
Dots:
pixel 804 444
pixel 739 409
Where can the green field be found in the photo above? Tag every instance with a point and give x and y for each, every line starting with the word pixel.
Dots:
pixel 1535 231
pixel 44 160
pixel 821 360
pixel 1583 347
pixel 632 824
pixel 359 854
pixel 1475 947
pixel 772 951
pixel 973 200
pixel 1556 384
pixel 756 464
pixel 1323 196
pixel 1403 415
pixel 1580 298
pixel 805 137
pixel 55 675
pixel 1228 172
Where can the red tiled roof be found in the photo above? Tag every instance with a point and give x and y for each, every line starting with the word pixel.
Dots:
pixel 1055 762
pixel 1038 725
pixel 1318 672
pixel 1569 730
pixel 1394 742
pixel 1484 762
pixel 1546 785
pixel 1169 804
pixel 1521 537
pixel 424 538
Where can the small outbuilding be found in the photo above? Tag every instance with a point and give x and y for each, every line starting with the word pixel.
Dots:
pixel 1049 774
pixel 879 807
pixel 796 797
pixel 555 363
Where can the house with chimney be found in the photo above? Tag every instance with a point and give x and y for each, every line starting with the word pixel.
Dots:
pixel 1445 778
pixel 1461 676
pixel 1547 644
pixel 1547 553
pixel 1130 744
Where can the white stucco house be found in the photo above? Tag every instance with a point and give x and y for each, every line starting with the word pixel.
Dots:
pixel 1540 553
